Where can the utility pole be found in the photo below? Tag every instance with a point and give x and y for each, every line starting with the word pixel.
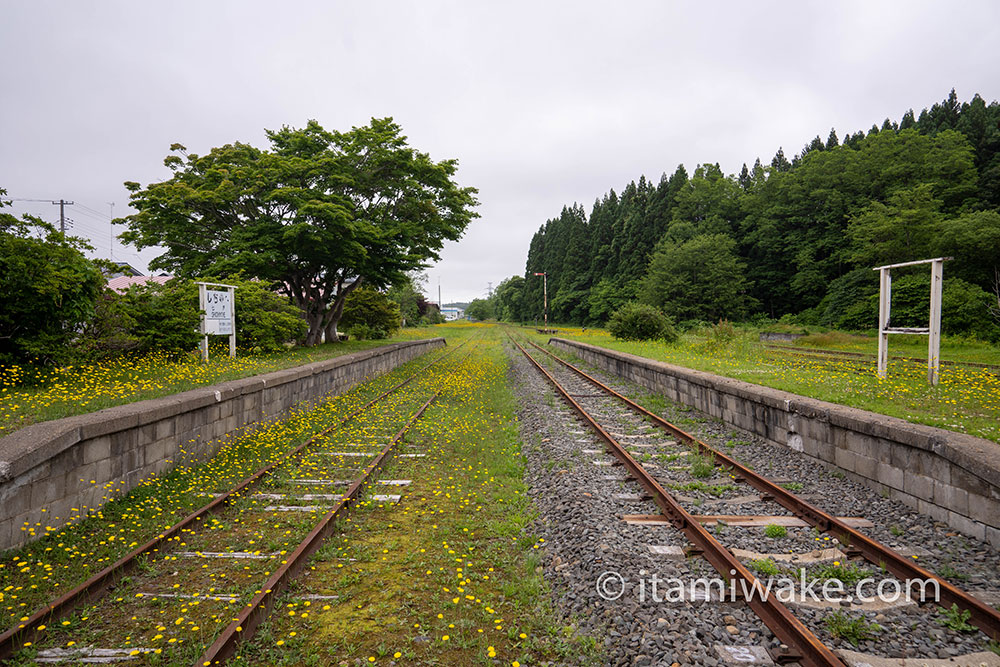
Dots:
pixel 62 213
pixel 111 251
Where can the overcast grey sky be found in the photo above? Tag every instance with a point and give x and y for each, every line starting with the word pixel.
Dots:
pixel 543 103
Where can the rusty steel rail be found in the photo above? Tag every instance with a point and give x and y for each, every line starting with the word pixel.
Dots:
pixel 94 587
pixel 804 647
pixel 982 615
pixel 256 611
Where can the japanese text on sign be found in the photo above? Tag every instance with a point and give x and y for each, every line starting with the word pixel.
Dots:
pixel 218 312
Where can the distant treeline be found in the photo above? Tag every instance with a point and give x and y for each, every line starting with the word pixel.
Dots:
pixel 795 238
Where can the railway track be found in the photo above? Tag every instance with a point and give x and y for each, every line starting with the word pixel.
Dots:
pixel 594 402
pixel 234 555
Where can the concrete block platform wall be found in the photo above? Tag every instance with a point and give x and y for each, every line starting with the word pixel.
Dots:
pixel 49 468
pixel 952 477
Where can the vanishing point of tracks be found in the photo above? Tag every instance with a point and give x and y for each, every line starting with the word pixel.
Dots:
pixel 277 505
pixel 799 643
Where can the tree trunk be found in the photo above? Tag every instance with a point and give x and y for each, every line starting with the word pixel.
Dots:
pixel 338 310
pixel 331 332
pixel 315 321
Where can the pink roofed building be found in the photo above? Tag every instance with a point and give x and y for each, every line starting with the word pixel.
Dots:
pixel 122 283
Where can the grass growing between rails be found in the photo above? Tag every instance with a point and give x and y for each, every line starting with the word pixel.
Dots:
pixel 29 395
pixel 448 575
pixel 63 557
pixel 967 399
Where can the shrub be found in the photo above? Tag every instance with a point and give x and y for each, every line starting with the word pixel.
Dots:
pixel 365 332
pixel 110 331
pixel 369 314
pixel 636 321
pixel 265 321
pixel 154 317
pixel 166 316
pixel 47 290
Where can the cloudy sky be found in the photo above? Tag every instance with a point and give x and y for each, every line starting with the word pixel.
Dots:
pixel 543 103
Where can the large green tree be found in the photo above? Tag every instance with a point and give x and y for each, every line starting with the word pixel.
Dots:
pixel 318 214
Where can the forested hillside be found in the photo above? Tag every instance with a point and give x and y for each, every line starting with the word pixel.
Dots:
pixel 795 237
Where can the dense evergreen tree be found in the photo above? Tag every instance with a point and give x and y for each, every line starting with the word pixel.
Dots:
pixel 832 141
pixel 799 237
pixel 780 163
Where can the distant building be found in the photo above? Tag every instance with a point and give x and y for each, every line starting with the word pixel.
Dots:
pixel 124 275
pixel 452 314
pixel 122 283
pixel 124 269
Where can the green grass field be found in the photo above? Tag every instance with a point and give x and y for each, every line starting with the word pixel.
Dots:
pixel 966 400
pixel 34 394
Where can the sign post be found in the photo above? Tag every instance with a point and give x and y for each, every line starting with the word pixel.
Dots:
pixel 218 315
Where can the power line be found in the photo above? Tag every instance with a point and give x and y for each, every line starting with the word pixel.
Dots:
pixel 88 214
pixel 62 203
pixel 103 216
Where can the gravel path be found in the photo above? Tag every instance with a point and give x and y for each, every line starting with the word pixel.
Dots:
pixel 580 502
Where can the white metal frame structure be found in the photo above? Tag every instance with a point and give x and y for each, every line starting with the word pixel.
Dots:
pixel 932 331
pixel 202 294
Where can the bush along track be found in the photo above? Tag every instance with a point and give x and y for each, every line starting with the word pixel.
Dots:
pixel 61 560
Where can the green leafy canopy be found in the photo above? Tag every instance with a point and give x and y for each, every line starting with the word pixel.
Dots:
pixel 317 214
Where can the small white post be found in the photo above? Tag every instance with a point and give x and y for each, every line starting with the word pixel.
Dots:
pixel 934 343
pixel 204 334
pixel 232 322
pixel 884 304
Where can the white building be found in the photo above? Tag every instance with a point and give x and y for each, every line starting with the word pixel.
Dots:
pixel 452 314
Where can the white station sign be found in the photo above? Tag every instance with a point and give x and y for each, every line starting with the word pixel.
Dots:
pixel 218 312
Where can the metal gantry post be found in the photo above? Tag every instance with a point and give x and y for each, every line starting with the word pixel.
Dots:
pixel 933 330
pixel 934 326
pixel 884 304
